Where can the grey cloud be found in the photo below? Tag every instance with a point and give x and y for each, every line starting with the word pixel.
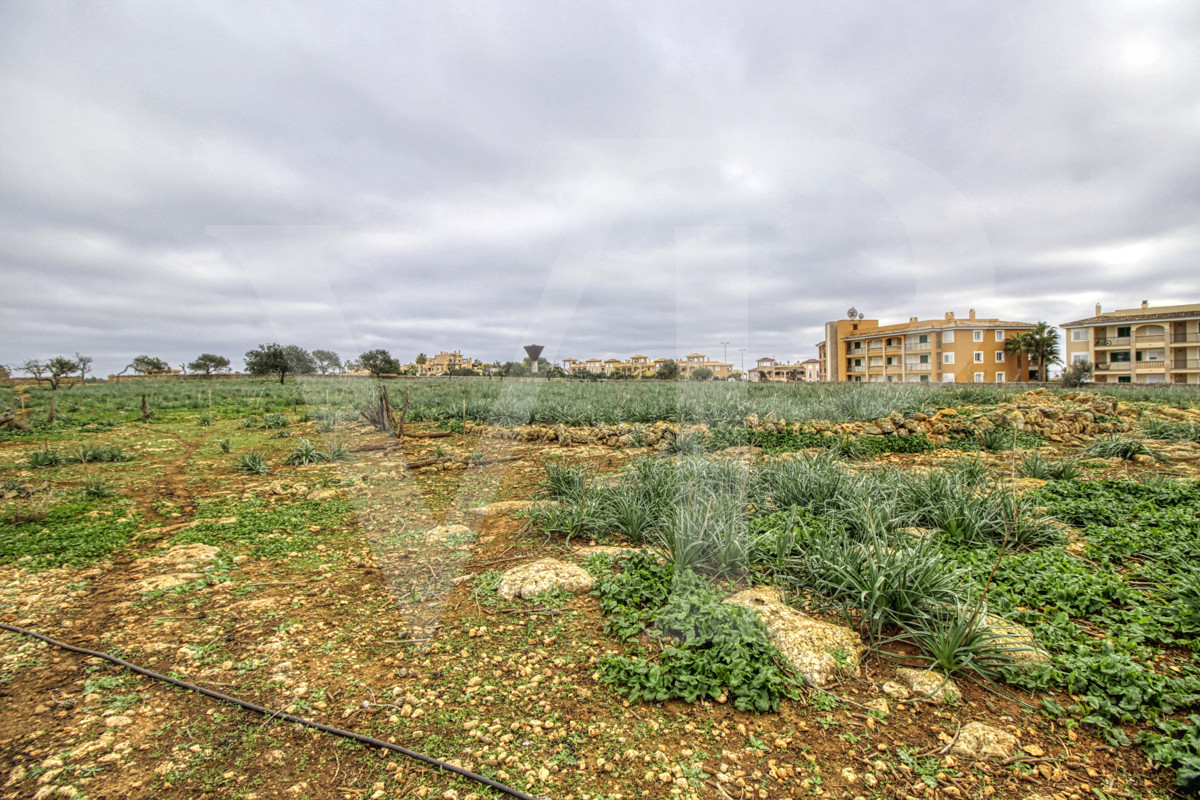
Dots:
pixel 485 170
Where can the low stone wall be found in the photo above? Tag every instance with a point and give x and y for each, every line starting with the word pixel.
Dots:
pixel 1069 417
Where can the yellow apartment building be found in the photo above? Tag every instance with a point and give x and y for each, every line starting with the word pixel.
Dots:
pixel 948 350
pixel 1138 345
pixel 694 361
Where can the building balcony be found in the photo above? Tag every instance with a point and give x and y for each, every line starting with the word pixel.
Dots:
pixel 1120 341
pixel 856 370
pixel 895 348
pixel 875 348
pixel 1187 364
pixel 918 348
pixel 1154 338
pixel 918 367
pixel 1184 339
pixel 1113 366
pixel 1151 365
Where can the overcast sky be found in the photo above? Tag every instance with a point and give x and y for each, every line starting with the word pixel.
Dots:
pixel 601 178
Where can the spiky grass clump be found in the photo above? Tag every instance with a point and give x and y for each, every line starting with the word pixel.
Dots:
pixel 337 451
pixel 253 463
pixel 305 452
pixel 1035 465
pixel 96 488
pixel 1113 446
pixel 1167 431
pixel 887 584
pixel 99 453
pixel 45 457
pixel 960 638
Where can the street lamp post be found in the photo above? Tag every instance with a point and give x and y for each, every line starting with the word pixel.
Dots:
pixel 742 350
pixel 725 352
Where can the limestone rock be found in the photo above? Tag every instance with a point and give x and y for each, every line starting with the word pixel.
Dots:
pixel 443 532
pixel 505 508
pixel 532 579
pixel 190 555
pixel 156 582
pixel 927 683
pixel 896 691
pixel 808 644
pixel 977 740
pixel 1017 640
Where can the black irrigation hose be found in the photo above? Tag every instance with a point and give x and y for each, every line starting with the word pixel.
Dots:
pixel 358 737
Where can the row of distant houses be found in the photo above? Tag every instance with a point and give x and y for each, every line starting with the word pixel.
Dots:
pixel 639 366
pixel 1132 345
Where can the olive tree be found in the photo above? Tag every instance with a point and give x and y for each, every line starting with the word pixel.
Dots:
pixel 327 361
pixel 379 362
pixel 209 363
pixel 268 359
pixel 149 365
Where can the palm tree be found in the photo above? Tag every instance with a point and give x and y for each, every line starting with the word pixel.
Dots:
pixel 1043 347
pixel 1017 346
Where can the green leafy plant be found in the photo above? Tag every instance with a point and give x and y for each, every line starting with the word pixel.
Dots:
pixel 224 445
pixel 713 649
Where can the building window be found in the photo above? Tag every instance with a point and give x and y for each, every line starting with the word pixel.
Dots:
pixel 1079 334
pixel 948 337
pixel 924 379
pixel 999 356
pixel 1078 358
pixel 979 377
pixel 999 334
pixel 924 359
pixel 978 356
pixel 1124 379
pixel 947 358
pixel 922 338
pixel 948 377
pixel 999 377
pixel 1123 331
pixel 978 335
pixel 858 362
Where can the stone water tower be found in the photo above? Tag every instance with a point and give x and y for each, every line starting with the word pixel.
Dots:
pixel 534 351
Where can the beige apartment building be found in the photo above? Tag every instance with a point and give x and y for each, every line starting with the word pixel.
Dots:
pixel 442 363
pixel 948 350
pixel 1138 345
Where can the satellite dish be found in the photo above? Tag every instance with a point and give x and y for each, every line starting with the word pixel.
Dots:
pixel 852 313
pixel 861 315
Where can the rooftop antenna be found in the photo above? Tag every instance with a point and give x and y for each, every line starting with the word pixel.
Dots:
pixel 534 351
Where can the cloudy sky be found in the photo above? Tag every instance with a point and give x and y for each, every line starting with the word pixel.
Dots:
pixel 601 178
